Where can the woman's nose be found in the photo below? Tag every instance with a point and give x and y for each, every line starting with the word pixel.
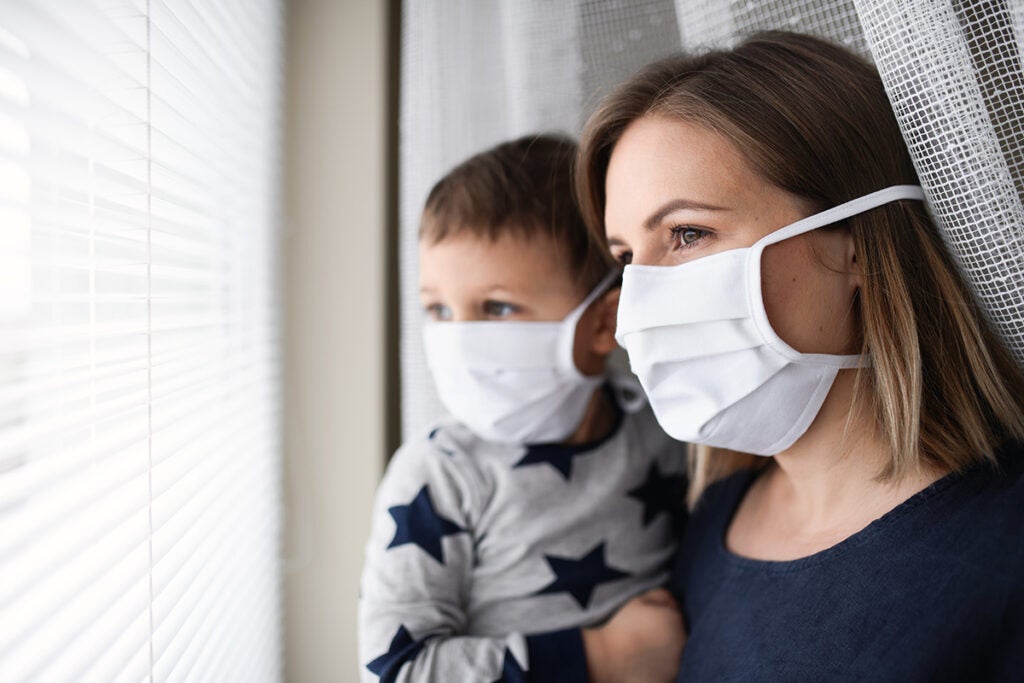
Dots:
pixel 644 256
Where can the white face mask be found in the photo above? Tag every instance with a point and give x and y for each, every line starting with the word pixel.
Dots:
pixel 512 381
pixel 714 370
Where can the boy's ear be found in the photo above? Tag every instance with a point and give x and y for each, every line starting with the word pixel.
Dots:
pixel 604 336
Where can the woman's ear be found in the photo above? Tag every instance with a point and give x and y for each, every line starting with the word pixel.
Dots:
pixel 856 273
pixel 851 262
pixel 836 251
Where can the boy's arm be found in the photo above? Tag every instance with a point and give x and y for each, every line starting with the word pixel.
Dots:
pixel 419 562
pixel 643 641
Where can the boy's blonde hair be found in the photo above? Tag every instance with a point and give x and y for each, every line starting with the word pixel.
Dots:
pixel 523 187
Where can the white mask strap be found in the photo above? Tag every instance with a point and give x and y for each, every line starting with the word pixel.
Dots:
pixel 844 211
pixel 602 286
pixel 818 220
pixel 570 321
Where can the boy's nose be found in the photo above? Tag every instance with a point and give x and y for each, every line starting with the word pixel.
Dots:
pixel 466 314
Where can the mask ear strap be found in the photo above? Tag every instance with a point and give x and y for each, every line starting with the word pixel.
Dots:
pixel 844 211
pixel 818 220
pixel 569 322
pixel 628 391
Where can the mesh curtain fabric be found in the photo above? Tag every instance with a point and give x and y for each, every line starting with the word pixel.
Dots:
pixel 477 73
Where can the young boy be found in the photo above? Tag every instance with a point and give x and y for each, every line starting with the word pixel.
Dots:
pixel 551 497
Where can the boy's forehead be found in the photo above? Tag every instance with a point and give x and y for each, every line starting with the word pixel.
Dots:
pixel 485 246
pixel 512 260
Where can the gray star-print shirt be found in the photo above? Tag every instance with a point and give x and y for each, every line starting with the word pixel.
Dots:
pixel 483 556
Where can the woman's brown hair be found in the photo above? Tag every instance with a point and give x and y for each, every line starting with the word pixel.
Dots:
pixel 813 119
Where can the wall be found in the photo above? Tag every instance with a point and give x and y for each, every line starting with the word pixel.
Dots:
pixel 336 316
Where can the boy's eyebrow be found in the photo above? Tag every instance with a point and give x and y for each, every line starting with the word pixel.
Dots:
pixel 677 205
pixel 500 287
pixel 487 289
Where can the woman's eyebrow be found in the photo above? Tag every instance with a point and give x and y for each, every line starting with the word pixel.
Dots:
pixel 676 205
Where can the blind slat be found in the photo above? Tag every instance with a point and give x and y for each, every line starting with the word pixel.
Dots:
pixel 115 608
pixel 139 386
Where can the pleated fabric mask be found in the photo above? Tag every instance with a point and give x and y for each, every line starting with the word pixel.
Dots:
pixel 714 370
pixel 512 381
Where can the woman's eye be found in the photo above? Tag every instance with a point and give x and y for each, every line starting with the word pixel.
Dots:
pixel 623 257
pixel 687 235
pixel 438 311
pixel 499 309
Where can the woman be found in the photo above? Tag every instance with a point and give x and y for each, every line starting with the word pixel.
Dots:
pixel 787 295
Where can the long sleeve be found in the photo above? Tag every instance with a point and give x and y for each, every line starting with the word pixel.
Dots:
pixel 416 579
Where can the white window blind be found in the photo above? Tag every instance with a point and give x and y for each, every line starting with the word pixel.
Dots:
pixel 139 435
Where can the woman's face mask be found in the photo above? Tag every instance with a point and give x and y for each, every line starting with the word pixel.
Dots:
pixel 704 302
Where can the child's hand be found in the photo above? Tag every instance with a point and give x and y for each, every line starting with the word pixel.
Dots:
pixel 642 643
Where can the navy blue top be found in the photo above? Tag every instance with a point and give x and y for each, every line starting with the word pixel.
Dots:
pixel 933 590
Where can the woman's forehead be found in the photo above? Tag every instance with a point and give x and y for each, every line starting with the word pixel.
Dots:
pixel 658 160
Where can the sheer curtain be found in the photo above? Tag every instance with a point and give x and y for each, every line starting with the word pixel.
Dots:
pixel 475 73
pixel 139 446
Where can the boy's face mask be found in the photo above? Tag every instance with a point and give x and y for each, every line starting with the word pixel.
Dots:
pixel 714 370
pixel 512 382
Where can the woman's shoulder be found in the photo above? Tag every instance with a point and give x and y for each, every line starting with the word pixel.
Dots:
pixel 996 482
pixel 1010 460
pixel 973 518
pixel 997 490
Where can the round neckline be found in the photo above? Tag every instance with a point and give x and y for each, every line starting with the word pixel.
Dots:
pixel 849 543
pixel 571 449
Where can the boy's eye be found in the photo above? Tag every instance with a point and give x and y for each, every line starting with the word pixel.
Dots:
pixel 499 309
pixel 438 311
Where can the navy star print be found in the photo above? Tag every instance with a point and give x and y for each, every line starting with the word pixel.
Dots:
pixel 556 455
pixel 403 649
pixel 560 456
pixel 419 523
pixel 660 493
pixel 580 577
pixel 511 672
